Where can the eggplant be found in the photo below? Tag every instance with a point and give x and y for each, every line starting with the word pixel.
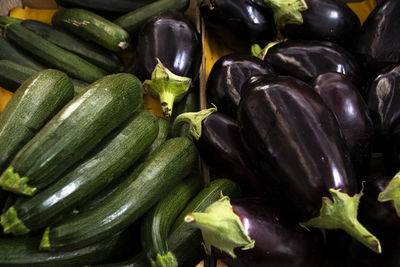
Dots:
pixel 169 52
pixel 218 141
pixel 352 113
pixel 109 9
pixel 325 20
pixel 227 76
pixel 378 43
pixel 306 59
pixel 250 232
pixel 239 22
pixel 297 143
pixel 384 107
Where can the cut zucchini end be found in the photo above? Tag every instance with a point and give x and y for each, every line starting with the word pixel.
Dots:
pixel 45 242
pixel 12 224
pixel 11 181
pixel 166 260
pixel 341 213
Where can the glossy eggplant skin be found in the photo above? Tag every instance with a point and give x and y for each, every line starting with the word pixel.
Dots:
pixel 352 113
pixel 242 21
pixel 278 241
pixel 221 147
pixel 378 43
pixel 227 76
pixel 296 141
pixel 325 20
pixel 384 107
pixel 173 38
pixel 306 59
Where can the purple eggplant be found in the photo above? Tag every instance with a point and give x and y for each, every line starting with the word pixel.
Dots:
pixel 352 113
pixel 306 59
pixel 378 44
pixel 297 143
pixel 384 106
pixel 218 141
pixel 228 75
pixel 250 232
pixel 239 21
pixel 169 53
pixel 325 20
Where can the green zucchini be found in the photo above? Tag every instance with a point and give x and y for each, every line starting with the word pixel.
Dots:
pixel 10 52
pixel 4 20
pixel 12 75
pixel 73 132
pixel 133 21
pixel 92 52
pixel 156 224
pixel 53 55
pixel 93 27
pixel 84 181
pixel 24 252
pixel 35 102
pixel 157 175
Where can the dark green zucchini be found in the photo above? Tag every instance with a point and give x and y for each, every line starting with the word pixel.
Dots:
pixel 4 20
pixel 110 160
pixel 156 176
pixel 93 27
pixel 134 20
pixel 157 223
pixel 35 102
pixel 93 53
pixel 73 132
pixel 24 252
pixel 52 55
pixel 12 75
pixel 9 51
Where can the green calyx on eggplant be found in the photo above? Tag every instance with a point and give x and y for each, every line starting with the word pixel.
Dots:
pixel 306 59
pixel 227 76
pixel 239 22
pixel 352 113
pixel 297 142
pixel 166 86
pixel 325 20
pixel 250 232
pixel 392 193
pixel 287 11
pixel 378 43
pixel 219 143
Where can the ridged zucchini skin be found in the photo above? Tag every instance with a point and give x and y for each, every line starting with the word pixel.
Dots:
pixel 52 55
pixel 35 102
pixel 12 75
pixel 93 53
pixel 92 175
pixel 93 27
pixel 156 176
pixel 78 128
pixel 4 20
pixel 9 51
pixel 158 221
pixel 133 21
pixel 23 252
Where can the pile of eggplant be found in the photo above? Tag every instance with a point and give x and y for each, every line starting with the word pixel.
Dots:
pixel 307 125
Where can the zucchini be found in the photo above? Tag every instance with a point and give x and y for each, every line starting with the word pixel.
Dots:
pixel 12 75
pixel 35 102
pixel 157 175
pixel 93 27
pixel 92 52
pixel 156 224
pixel 24 252
pixel 86 180
pixel 10 52
pixel 133 21
pixel 4 20
pixel 73 132
pixel 53 55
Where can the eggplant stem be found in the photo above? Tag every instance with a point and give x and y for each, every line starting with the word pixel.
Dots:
pixel 287 11
pixel 259 52
pixel 392 192
pixel 341 213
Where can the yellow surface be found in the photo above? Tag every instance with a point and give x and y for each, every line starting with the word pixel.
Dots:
pixel 5 96
pixel 44 15
pixel 362 9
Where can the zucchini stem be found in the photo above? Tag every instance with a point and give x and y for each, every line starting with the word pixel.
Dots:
pixel 166 260
pixel 12 224
pixel 11 181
